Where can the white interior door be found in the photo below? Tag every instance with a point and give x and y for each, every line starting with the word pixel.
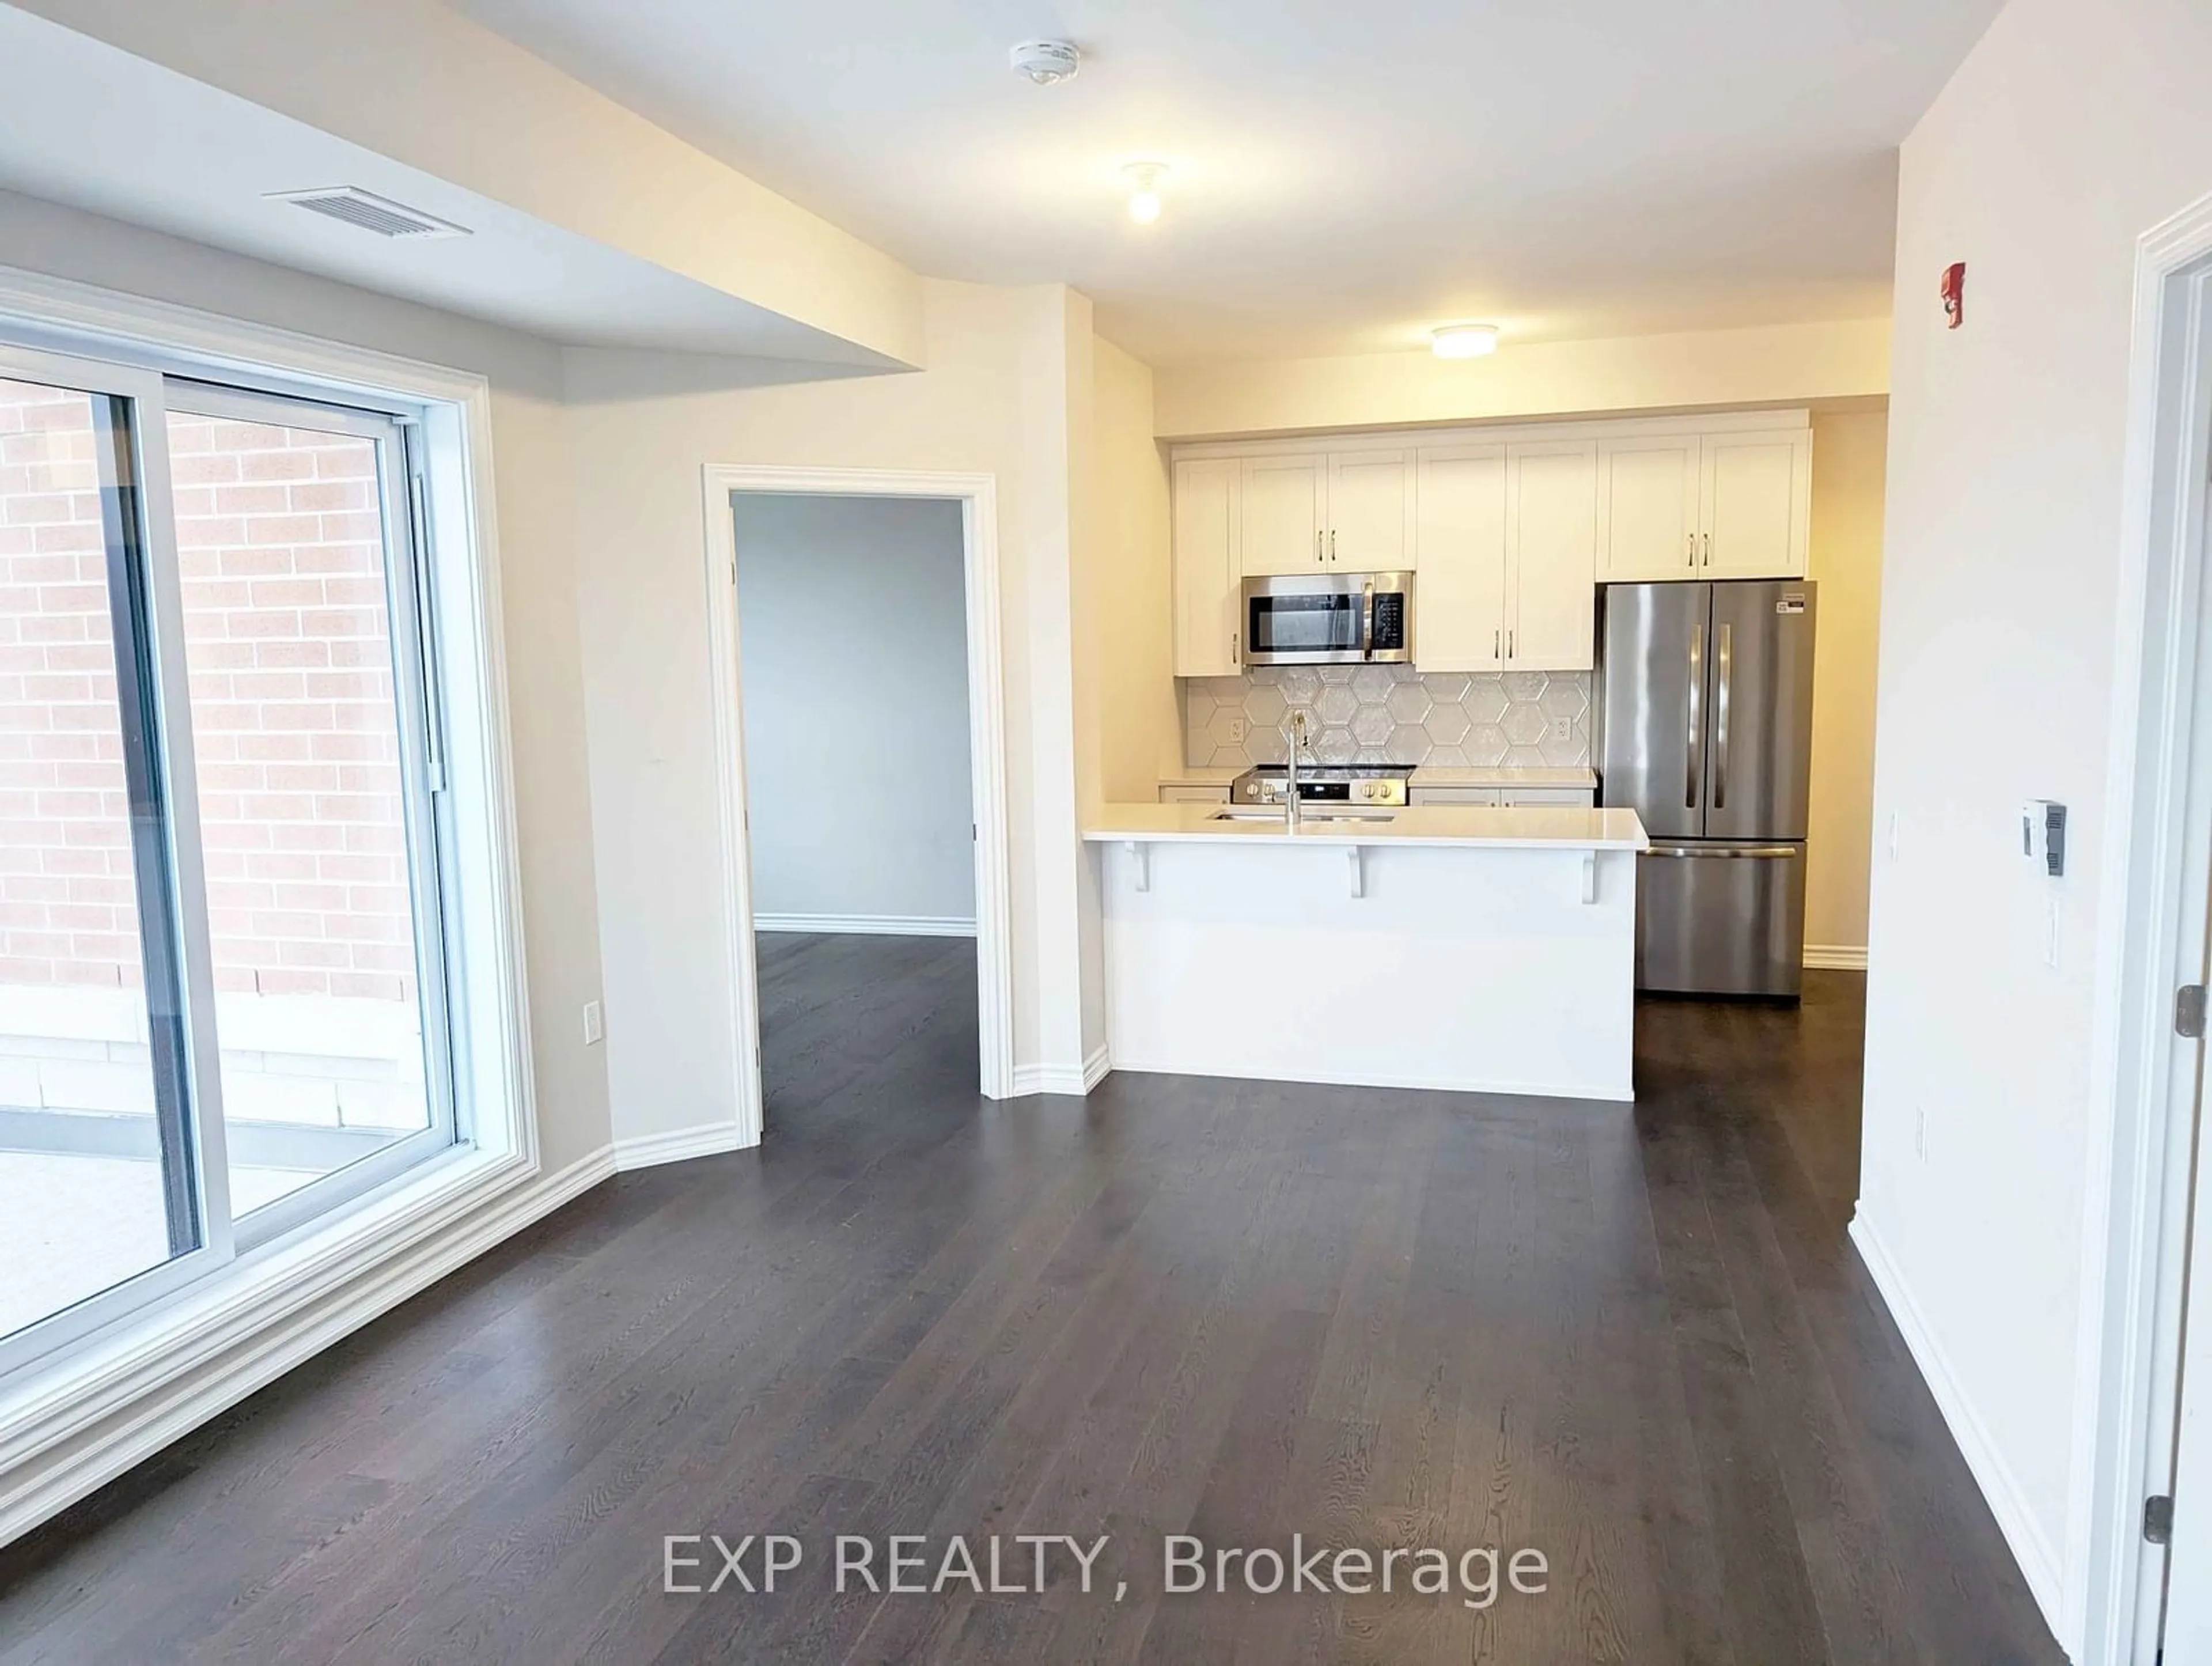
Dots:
pixel 1283 514
pixel 1755 485
pixel 1459 611
pixel 1370 512
pixel 1551 554
pixel 2188 1641
pixel 1207 626
pixel 1648 499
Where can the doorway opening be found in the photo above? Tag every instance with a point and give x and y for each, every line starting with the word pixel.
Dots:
pixel 862 764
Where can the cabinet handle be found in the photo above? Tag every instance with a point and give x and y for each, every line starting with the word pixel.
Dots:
pixel 1332 544
pixel 1693 549
pixel 1509 645
pixel 1232 647
pixel 1709 549
pixel 1496 638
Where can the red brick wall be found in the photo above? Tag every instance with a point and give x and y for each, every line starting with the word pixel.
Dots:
pixel 66 914
pixel 280 556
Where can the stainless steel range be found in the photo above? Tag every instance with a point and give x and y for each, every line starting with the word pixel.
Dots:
pixel 1381 785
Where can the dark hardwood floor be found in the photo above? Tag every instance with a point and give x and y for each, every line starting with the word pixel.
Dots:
pixel 1635 1340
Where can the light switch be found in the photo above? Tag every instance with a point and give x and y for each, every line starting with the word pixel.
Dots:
pixel 594 1026
pixel 2043 836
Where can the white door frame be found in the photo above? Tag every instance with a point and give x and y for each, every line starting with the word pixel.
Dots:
pixel 2156 870
pixel 977 494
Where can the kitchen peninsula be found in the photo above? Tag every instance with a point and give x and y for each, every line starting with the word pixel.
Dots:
pixel 1473 949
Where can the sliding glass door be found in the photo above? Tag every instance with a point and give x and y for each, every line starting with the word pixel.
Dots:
pixel 222 968
pixel 101 1161
pixel 309 714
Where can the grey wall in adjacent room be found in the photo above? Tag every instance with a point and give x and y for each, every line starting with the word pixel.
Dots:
pixel 852 635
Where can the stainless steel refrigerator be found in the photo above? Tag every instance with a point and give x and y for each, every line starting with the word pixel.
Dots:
pixel 1704 703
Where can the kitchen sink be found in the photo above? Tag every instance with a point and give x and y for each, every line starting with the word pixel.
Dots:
pixel 1246 816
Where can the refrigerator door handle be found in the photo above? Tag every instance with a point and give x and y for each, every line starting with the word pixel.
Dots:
pixel 1733 851
pixel 1692 765
pixel 1725 669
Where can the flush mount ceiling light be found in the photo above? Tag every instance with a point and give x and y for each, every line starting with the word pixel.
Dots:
pixel 1144 179
pixel 1046 63
pixel 1463 341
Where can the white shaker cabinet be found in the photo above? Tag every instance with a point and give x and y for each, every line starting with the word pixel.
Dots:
pixel 1724 504
pixel 1283 516
pixel 1505 535
pixel 1370 511
pixel 1757 503
pixel 1551 548
pixel 1207 626
pixel 1647 493
pixel 1459 617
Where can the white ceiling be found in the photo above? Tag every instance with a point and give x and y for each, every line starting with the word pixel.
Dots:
pixel 86 123
pixel 1345 174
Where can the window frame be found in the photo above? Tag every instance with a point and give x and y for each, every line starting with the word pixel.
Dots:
pixel 401 489
pixel 237 1324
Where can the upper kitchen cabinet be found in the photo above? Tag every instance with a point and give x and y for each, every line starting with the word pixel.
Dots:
pixel 1506 536
pixel 1648 489
pixel 1207 503
pixel 1724 503
pixel 1758 504
pixel 1285 514
pixel 1307 511
pixel 1370 512
pixel 1550 552
pixel 1459 615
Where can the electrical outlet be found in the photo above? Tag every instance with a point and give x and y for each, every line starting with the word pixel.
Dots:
pixel 1563 728
pixel 595 1027
pixel 1236 732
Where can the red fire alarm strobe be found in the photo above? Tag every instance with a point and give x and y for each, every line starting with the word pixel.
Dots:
pixel 1955 294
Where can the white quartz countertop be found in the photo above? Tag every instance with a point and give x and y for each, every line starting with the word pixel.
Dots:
pixel 1474 826
pixel 1500 774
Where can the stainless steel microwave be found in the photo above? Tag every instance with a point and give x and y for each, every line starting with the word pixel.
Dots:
pixel 1329 619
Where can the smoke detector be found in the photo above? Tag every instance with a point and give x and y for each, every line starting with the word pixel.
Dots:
pixel 1047 63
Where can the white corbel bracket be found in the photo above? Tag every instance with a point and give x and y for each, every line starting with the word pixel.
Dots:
pixel 1141 852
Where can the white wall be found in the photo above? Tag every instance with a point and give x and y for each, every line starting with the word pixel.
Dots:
pixel 1710 369
pixel 1848 449
pixel 994 400
pixel 852 617
pixel 1129 597
pixel 2070 131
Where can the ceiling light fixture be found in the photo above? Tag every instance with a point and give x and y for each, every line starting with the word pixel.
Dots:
pixel 1463 341
pixel 1046 63
pixel 1144 179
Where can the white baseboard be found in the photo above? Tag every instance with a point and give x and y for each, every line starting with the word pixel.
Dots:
pixel 648 1151
pixel 866 925
pixel 52 1481
pixel 2031 1549
pixel 1606 1092
pixel 1075 1080
pixel 1835 958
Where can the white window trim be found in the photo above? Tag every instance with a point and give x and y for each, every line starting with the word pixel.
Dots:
pixel 70 1423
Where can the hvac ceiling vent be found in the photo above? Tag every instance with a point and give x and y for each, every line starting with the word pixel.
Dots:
pixel 369 211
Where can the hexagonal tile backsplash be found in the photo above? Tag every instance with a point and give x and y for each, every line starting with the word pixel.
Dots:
pixel 1391 714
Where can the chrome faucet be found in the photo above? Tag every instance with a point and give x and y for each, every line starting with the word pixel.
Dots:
pixel 1294 736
